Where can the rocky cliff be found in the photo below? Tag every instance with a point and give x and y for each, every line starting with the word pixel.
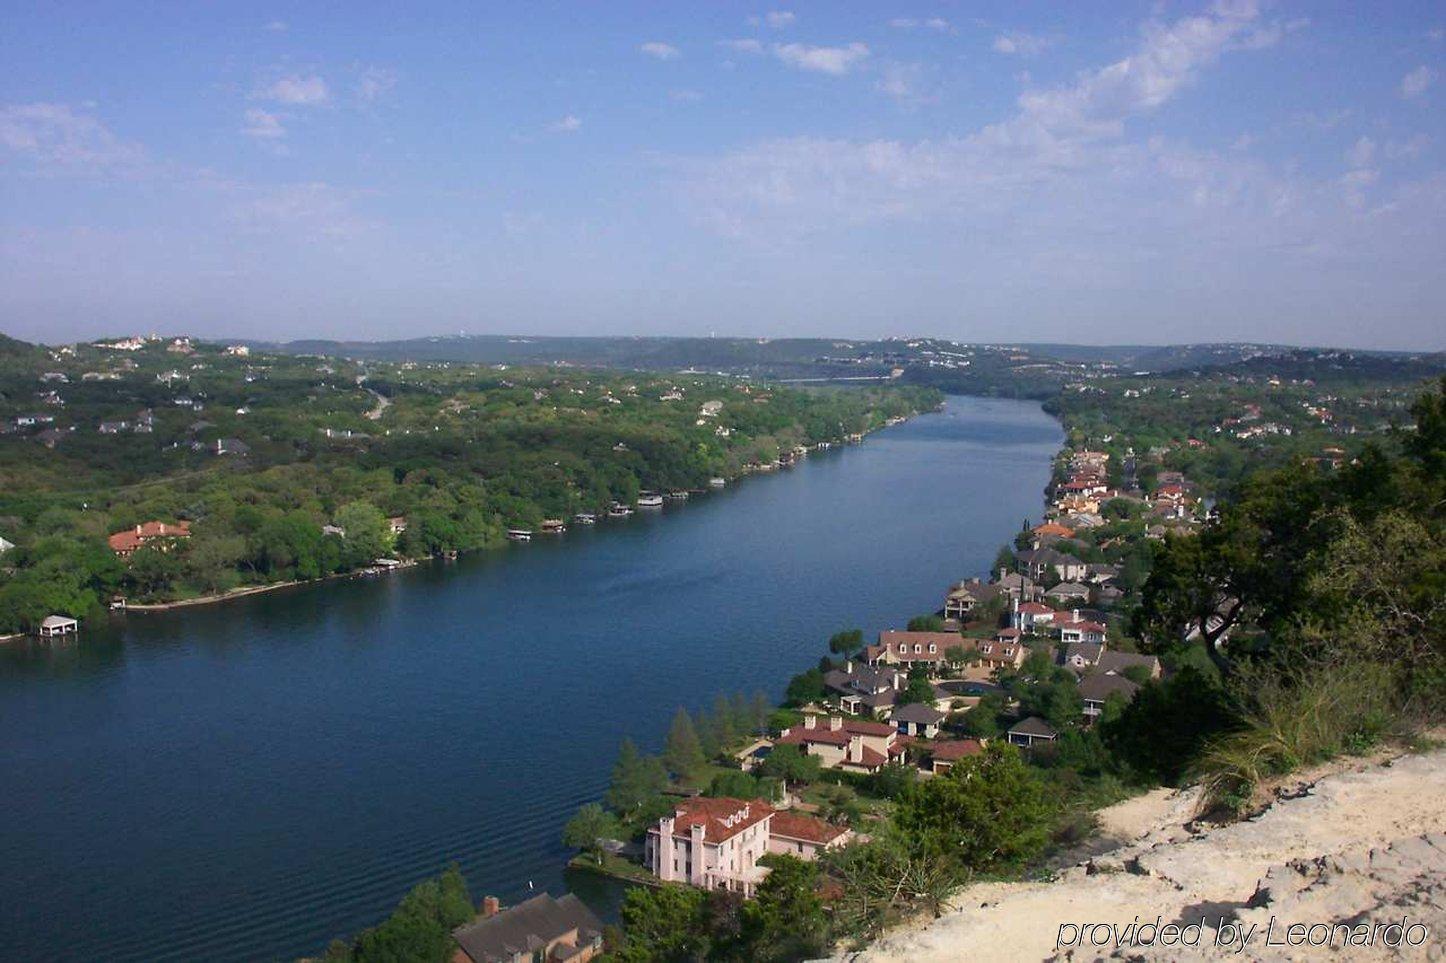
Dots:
pixel 1346 864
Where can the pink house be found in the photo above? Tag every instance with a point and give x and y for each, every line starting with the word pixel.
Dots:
pixel 712 844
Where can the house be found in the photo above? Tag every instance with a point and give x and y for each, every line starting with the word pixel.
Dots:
pixel 913 648
pixel 1082 656
pixel 1028 732
pixel 159 534
pixel 1049 533
pixel 1020 588
pixel 943 755
pixel 803 836
pixel 865 689
pixel 56 626
pixel 1118 662
pixel 917 719
pixel 1076 628
pixel 1097 687
pixel 1004 651
pixel 1067 592
pixel 849 744
pixel 712 844
pixel 229 446
pixel 965 597
pixel 113 427
pixel 1037 563
pixel 542 928
pixel 1032 616
pixel 397 524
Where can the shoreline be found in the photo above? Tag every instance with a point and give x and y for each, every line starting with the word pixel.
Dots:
pixel 146 607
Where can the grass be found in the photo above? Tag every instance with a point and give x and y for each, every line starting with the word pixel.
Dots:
pixel 1296 720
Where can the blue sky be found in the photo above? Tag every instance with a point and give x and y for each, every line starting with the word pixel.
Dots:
pixel 1088 172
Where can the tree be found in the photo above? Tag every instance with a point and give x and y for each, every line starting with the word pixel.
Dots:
pixel 664 924
pixel 723 722
pixel 988 812
pixel 791 764
pixel 1004 559
pixel 926 623
pixel 682 753
pixel 785 920
pixel 982 721
pixel 733 785
pixel 804 688
pixel 759 710
pixel 919 689
pixel 420 929
pixel 588 827
pixel 635 779
pixel 846 643
pixel 368 535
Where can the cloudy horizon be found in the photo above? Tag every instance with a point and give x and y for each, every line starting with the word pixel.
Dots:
pixel 1169 173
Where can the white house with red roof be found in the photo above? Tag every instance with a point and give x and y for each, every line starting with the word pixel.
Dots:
pixel 717 843
pixel 1073 628
pixel 1033 616
pixel 160 534
pixel 913 648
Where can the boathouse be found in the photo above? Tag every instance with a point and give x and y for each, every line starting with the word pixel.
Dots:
pixel 56 626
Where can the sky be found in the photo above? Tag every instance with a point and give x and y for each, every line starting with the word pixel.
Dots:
pixel 1091 172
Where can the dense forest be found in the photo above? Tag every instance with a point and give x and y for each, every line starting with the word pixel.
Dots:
pixel 283 467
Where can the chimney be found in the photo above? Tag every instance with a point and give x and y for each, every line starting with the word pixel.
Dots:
pixel 810 722
pixel 849 666
pixel 835 723
pixel 1076 615
pixel 856 748
pixel 490 906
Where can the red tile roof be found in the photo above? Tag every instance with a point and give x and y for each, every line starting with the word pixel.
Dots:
pixel 133 538
pixel 721 818
pixel 955 749
pixel 807 828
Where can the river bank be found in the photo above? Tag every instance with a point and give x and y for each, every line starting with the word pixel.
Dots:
pixel 304 757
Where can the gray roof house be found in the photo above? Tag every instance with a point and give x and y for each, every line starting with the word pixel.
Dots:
pixel 1029 731
pixel 917 719
pixel 542 928
pixel 1097 687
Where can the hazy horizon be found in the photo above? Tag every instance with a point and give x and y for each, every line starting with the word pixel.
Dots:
pixel 1162 173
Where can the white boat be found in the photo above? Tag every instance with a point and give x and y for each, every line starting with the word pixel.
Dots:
pixel 678 494
pixel 619 510
pixel 717 482
pixel 519 535
pixel 585 518
pixel 650 500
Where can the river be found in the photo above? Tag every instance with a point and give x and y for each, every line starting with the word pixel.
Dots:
pixel 245 781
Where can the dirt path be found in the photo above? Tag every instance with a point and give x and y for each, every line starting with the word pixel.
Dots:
pixel 1363 845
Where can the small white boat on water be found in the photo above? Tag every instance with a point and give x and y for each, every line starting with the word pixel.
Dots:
pixel 619 510
pixel 678 494
pixel 519 534
pixel 650 500
pixel 585 518
pixel 552 526
pixel 717 482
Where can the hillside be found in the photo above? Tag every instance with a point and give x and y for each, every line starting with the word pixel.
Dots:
pixel 1362 843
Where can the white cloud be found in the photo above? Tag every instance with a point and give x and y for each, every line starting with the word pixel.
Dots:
pixel 276 26
pixel 684 96
pixel 263 125
pixel 777 19
pixel 296 91
pixel 1021 43
pixel 660 50
pixel 911 23
pixel 1361 153
pixel 747 46
pixel 315 209
pixel 566 125
pixel 1415 83
pixel 58 136
pixel 826 60
pixel 375 82
pixel 1409 149
pixel 1059 138
pixel 904 83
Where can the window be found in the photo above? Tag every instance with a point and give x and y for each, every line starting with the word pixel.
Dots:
pixel 933 648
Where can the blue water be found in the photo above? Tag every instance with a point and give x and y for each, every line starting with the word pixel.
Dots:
pixel 246 781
